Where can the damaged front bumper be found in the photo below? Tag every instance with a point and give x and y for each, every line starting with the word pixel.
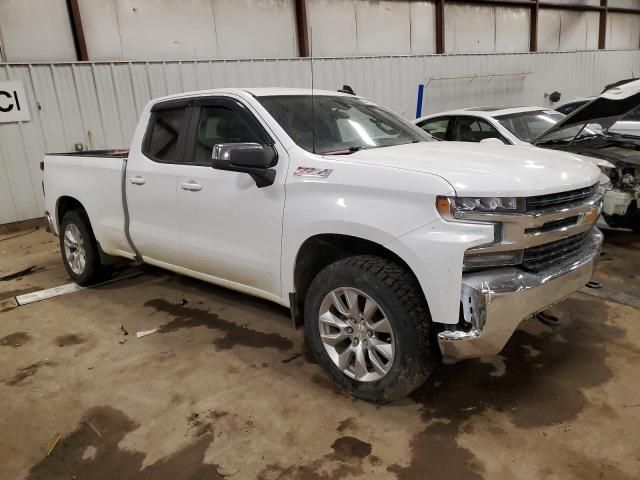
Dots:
pixel 495 302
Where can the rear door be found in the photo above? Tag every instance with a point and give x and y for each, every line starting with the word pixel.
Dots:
pixel 151 183
pixel 229 228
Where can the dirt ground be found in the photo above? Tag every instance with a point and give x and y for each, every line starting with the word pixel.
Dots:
pixel 225 388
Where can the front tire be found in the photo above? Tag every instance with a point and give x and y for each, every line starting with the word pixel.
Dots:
pixel 368 326
pixel 79 249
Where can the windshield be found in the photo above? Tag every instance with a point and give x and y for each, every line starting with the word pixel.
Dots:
pixel 342 124
pixel 528 125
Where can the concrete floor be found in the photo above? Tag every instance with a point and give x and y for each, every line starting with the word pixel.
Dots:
pixel 225 389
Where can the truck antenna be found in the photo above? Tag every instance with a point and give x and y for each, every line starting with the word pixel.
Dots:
pixel 313 116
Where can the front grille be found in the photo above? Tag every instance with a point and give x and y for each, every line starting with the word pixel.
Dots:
pixel 553 225
pixel 537 258
pixel 559 199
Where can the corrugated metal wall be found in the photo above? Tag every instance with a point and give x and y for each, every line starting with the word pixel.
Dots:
pixel 97 104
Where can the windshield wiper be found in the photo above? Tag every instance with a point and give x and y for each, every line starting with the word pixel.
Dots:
pixel 589 135
pixel 623 136
pixel 343 151
pixel 552 141
pixel 566 140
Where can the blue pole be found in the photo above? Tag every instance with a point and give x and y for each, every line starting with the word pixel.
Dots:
pixel 419 105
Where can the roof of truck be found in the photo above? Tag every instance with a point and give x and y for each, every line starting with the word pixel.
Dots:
pixel 257 92
pixel 275 91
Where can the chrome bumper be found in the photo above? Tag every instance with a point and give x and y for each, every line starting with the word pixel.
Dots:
pixel 495 302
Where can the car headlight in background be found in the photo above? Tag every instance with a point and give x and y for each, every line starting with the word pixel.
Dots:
pixel 608 175
pixel 606 170
pixel 456 207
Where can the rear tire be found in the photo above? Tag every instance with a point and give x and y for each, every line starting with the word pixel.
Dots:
pixel 79 249
pixel 379 356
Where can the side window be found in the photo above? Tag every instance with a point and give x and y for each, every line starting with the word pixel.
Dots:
pixel 436 127
pixel 470 129
pixel 632 116
pixel 163 142
pixel 218 124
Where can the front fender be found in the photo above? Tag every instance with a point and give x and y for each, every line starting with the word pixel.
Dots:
pixel 435 253
pixel 371 202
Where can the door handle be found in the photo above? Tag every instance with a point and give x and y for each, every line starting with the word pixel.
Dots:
pixel 137 180
pixel 191 186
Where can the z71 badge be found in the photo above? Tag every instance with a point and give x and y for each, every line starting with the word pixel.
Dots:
pixel 312 172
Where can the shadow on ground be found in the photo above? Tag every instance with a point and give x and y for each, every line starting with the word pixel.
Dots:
pixel 541 385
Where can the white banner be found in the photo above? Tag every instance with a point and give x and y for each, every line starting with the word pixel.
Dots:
pixel 13 103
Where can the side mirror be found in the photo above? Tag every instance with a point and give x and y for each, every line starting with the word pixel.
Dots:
pixel 251 158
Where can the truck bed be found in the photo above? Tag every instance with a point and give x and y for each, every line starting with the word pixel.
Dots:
pixel 95 180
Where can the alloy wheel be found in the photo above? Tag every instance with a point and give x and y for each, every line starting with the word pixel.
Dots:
pixel 74 250
pixel 356 334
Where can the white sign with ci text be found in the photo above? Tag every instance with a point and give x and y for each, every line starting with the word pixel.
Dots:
pixel 13 103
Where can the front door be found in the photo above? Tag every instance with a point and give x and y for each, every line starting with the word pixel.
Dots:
pixel 229 228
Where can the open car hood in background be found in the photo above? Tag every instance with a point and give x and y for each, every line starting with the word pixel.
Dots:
pixel 605 110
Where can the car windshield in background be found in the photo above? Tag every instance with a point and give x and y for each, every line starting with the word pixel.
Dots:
pixel 342 124
pixel 528 125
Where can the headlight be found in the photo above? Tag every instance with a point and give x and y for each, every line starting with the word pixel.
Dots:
pixel 455 207
pixel 606 170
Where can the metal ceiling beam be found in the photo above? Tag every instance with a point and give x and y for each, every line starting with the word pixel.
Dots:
pixel 533 27
pixel 602 27
pixel 572 6
pixel 301 28
pixel 632 11
pixel 77 30
pixel 440 47
pixel 499 3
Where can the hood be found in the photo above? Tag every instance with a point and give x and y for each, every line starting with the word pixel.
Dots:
pixel 605 110
pixel 598 162
pixel 487 169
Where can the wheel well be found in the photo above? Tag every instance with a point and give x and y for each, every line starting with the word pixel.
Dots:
pixel 320 251
pixel 66 204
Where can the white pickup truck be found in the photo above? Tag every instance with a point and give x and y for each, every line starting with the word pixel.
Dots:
pixel 394 250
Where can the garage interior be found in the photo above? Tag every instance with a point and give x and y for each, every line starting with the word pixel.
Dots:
pixel 156 375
